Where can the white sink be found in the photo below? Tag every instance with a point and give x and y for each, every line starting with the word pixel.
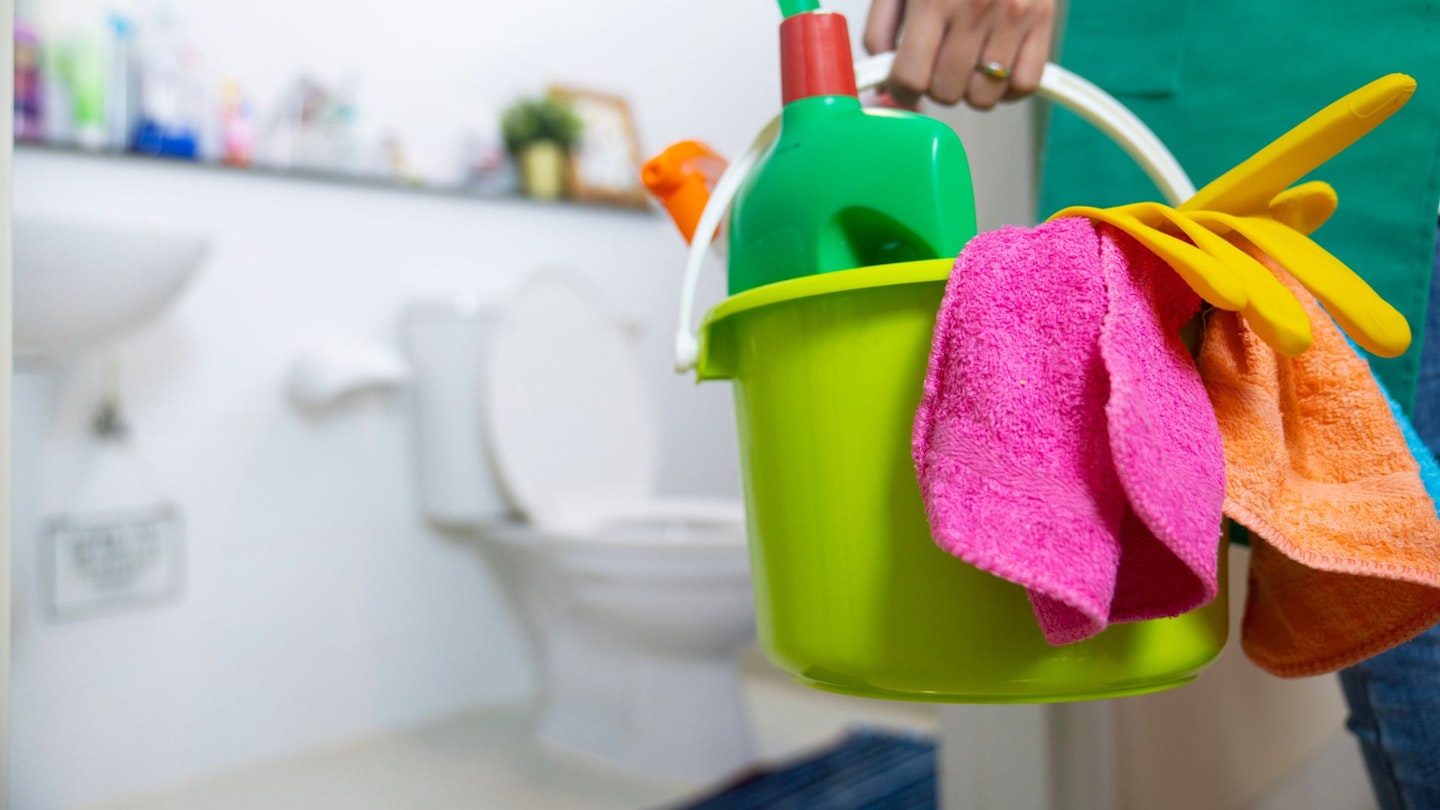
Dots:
pixel 78 285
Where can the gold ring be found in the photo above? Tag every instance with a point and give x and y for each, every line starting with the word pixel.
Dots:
pixel 994 70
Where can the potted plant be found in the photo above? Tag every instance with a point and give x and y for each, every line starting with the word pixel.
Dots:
pixel 539 133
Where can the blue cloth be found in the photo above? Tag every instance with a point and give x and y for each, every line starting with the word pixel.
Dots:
pixel 869 770
pixel 1395 697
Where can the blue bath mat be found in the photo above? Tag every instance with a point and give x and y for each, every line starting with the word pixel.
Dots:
pixel 869 770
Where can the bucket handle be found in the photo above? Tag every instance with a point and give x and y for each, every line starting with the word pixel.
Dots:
pixel 1056 84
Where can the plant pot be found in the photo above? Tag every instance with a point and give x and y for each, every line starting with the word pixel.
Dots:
pixel 542 170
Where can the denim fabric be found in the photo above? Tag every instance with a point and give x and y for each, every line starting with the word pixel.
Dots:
pixel 1395 712
pixel 1395 697
pixel 1426 415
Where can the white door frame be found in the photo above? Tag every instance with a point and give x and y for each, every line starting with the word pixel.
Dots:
pixel 7 125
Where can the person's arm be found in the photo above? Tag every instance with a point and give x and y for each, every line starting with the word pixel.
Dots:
pixel 978 51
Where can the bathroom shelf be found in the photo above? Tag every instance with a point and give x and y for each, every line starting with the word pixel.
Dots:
pixel 327 178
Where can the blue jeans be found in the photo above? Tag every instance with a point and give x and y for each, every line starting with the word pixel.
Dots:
pixel 1426 414
pixel 1395 697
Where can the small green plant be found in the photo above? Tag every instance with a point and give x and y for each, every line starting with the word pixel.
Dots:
pixel 543 119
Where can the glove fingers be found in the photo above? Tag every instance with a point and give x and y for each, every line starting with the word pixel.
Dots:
pixel 1366 317
pixel 1210 279
pixel 1305 207
pixel 1270 309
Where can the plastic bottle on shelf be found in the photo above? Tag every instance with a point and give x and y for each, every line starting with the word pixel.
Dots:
pixel 29 89
pixel 171 99
pixel 122 113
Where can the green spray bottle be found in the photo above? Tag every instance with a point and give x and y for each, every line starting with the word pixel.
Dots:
pixel 842 186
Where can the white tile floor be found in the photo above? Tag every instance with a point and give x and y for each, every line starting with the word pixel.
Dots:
pixel 488 759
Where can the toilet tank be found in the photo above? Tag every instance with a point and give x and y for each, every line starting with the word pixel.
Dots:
pixel 446 343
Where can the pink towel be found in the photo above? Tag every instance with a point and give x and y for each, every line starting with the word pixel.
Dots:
pixel 1064 440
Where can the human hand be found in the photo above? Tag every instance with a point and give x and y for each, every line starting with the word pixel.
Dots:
pixel 978 51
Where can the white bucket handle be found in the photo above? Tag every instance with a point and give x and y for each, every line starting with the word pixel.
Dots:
pixel 1056 84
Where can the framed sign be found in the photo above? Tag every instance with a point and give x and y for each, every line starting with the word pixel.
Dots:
pixel 605 164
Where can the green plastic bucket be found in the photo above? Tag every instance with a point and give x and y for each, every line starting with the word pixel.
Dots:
pixel 852 594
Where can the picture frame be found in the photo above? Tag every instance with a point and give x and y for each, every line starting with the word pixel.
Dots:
pixel 605 165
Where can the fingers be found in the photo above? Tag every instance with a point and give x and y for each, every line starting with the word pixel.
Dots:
pixel 1017 41
pixel 882 27
pixel 955 64
pixel 1034 53
pixel 987 85
pixel 945 43
pixel 914 68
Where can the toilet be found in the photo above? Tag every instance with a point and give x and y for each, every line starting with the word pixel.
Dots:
pixel 535 435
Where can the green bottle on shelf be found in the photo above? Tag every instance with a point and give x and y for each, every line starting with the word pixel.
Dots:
pixel 842 186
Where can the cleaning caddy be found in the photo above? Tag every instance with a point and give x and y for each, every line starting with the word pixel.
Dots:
pixel 843 227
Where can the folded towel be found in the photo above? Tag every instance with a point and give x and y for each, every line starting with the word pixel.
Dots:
pixel 1163 437
pixel 1064 440
pixel 1346 553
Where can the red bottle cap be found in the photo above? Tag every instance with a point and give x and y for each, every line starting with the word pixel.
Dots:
pixel 815 56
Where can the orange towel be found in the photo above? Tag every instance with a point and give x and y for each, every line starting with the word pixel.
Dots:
pixel 1346 558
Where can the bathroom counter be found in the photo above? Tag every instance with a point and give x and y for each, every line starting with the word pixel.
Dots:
pixel 488 758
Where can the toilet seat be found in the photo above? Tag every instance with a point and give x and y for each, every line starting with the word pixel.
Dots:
pixel 591 469
pixel 653 525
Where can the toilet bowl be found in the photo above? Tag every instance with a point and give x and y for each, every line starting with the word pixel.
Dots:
pixel 535 435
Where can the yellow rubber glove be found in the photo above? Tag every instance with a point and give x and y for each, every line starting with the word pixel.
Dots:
pixel 1247 189
pixel 1205 273
pixel 1366 317
pixel 1252 200
pixel 1270 309
pixel 1218 271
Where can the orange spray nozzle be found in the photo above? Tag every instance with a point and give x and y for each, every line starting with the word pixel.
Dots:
pixel 681 178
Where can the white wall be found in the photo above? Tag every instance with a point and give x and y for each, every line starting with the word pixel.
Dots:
pixel 318 606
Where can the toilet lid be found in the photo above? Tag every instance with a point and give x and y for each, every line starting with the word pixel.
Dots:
pixel 568 419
